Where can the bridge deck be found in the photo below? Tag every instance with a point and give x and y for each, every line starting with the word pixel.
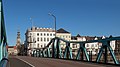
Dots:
pixel 23 61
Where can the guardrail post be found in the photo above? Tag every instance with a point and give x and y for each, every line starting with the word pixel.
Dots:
pixel 58 51
pixel 1 54
pixel 48 52
pixel 42 53
pixel 53 49
pixel 106 54
pixel 90 55
pixel 66 54
pixel 112 53
pixel 82 52
pixel 36 53
pixel 4 50
pixel 68 45
pixel 39 53
pixel 78 54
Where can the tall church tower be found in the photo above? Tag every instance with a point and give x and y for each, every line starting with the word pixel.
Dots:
pixel 18 42
pixel 18 39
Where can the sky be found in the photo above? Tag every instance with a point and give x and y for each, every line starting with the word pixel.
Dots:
pixel 84 17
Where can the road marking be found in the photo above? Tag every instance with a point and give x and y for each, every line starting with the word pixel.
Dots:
pixel 26 62
pixel 91 64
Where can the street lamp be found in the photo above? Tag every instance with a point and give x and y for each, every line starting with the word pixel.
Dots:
pixel 54 21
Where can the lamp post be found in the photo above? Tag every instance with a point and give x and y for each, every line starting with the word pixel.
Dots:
pixel 54 21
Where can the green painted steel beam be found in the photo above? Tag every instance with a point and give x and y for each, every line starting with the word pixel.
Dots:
pixel 67 54
pixel 78 54
pixel 99 54
pixel 112 54
pixel 3 38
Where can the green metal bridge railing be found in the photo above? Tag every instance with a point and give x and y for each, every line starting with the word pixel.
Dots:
pixel 54 50
pixel 3 39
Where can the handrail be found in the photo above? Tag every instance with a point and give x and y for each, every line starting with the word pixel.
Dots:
pixel 3 62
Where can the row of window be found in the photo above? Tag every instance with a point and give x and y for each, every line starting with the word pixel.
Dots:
pixel 44 34
pixel 64 36
pixel 44 39
pixel 41 45
pixel 93 45
pixel 38 45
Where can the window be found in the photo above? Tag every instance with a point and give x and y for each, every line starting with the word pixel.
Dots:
pixel 38 39
pixel 95 45
pixel 66 36
pixel 37 34
pixel 44 34
pixel 30 33
pixel 50 34
pixel 47 39
pixel 41 46
pixel 47 34
pixel 87 45
pixel 33 39
pixel 92 45
pixel 41 34
pixel 38 45
pixel 41 39
pixel 44 45
pixel 74 45
pixel 44 39
pixel 53 34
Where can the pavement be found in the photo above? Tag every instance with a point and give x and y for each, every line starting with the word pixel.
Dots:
pixel 25 61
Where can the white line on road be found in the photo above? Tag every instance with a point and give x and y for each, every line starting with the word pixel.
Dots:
pixel 26 62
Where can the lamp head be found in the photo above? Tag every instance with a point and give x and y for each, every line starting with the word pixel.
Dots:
pixel 49 14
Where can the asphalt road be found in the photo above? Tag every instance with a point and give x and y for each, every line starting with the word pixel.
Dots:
pixel 15 62
pixel 24 61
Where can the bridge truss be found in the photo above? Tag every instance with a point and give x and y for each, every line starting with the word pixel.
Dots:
pixel 54 50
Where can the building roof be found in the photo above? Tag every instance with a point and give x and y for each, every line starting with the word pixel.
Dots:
pixel 10 46
pixel 61 30
pixel 89 38
pixel 78 35
pixel 37 29
pixel 73 38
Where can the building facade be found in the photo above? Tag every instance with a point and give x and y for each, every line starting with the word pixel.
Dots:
pixel 61 33
pixel 90 47
pixel 12 50
pixel 38 37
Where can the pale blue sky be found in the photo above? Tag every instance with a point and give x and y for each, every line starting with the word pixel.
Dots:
pixel 86 17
